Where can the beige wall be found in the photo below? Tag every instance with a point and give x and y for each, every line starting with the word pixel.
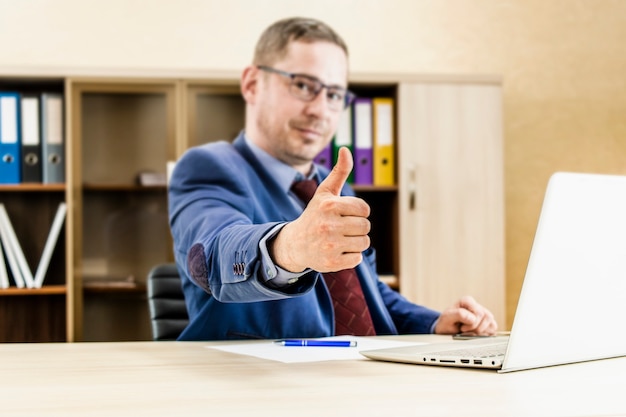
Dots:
pixel 563 63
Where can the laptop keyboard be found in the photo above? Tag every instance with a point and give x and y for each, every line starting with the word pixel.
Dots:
pixel 490 351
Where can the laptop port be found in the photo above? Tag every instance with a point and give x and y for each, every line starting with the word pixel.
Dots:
pixel 465 361
pixel 478 362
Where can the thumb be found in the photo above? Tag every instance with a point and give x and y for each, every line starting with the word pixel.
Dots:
pixel 338 176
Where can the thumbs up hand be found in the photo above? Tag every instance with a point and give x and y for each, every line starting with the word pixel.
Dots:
pixel 332 231
pixel 339 175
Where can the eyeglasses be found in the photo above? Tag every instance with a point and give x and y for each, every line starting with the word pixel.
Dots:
pixel 306 88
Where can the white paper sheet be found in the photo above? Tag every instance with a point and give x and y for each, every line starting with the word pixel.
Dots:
pixel 291 354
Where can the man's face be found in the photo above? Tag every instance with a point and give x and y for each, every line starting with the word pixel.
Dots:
pixel 291 129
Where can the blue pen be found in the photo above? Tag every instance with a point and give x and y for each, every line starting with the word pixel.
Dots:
pixel 317 343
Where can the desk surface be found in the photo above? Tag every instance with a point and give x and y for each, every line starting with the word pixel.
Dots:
pixel 187 379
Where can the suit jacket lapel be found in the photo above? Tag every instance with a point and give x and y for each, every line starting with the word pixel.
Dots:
pixel 265 182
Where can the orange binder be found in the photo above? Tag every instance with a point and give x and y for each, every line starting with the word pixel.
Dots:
pixel 384 143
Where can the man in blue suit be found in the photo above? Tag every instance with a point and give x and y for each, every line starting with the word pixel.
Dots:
pixel 250 252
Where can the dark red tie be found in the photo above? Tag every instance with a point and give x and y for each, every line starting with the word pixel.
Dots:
pixel 352 316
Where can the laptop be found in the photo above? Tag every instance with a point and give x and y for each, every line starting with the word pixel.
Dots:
pixel 571 306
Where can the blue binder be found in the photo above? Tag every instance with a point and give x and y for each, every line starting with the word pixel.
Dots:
pixel 10 140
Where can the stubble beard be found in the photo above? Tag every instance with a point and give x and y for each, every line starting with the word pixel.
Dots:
pixel 290 147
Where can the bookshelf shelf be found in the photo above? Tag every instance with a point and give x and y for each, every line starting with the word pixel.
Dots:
pixel 9 188
pixel 44 290
pixel 375 188
pixel 105 286
pixel 124 187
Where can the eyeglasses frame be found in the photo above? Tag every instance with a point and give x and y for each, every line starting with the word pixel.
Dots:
pixel 348 97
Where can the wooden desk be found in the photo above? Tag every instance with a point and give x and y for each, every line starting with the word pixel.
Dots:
pixel 186 379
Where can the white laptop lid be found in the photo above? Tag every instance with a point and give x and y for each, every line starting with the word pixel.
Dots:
pixel 572 304
pixel 571 308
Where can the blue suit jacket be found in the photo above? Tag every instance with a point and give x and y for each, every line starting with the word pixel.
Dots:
pixel 222 201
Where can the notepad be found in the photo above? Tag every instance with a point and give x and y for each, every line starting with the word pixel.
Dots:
pixel 287 354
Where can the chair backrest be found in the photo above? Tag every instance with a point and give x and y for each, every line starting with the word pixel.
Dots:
pixel 168 312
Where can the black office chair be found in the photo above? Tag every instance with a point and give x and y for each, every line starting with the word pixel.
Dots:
pixel 168 312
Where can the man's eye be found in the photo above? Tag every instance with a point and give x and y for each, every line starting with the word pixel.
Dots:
pixel 304 86
pixel 335 95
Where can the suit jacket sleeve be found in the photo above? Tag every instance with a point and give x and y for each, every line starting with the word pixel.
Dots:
pixel 218 214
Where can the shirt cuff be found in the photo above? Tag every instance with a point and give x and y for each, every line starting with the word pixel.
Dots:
pixel 432 328
pixel 274 275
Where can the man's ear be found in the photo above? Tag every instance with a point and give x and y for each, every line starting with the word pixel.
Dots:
pixel 249 83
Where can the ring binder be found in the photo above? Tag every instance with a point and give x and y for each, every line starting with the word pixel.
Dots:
pixel 9 138
pixel 48 249
pixel 52 146
pixel 31 138
pixel 10 249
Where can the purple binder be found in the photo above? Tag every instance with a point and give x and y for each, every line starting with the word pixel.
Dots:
pixel 362 128
pixel 325 157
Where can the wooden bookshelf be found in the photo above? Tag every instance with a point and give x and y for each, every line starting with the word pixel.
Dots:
pixel 117 127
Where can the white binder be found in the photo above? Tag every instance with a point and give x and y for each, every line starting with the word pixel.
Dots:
pixel 48 249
